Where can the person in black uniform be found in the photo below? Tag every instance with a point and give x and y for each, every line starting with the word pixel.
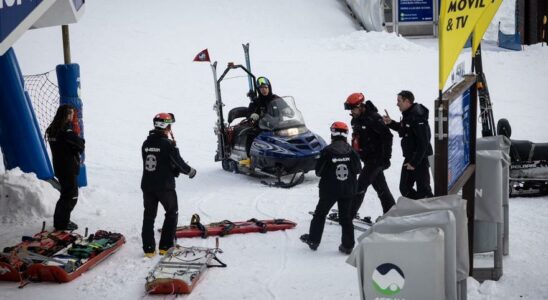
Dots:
pixel 257 106
pixel 338 167
pixel 257 109
pixel 373 141
pixel 66 147
pixel 161 164
pixel 415 144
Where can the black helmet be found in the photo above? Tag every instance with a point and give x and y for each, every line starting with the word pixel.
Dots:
pixel 263 81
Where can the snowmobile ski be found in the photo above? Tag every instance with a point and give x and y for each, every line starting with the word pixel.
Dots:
pixel 296 179
pixel 179 270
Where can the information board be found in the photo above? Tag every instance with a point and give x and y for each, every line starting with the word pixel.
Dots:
pixel 415 10
pixel 459 137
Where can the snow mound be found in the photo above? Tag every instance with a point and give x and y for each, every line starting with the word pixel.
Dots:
pixel 23 197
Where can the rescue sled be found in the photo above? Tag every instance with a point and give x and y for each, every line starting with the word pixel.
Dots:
pixel 179 270
pixel 74 260
pixel 227 227
pixel 15 261
pixel 57 256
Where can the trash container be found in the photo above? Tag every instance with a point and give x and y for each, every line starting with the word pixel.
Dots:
pixel 503 144
pixel 384 273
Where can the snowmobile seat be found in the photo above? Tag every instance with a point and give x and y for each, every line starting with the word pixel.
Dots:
pixel 528 151
pixel 237 112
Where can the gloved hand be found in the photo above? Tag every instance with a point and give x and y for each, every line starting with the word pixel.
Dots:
pixel 251 94
pixel 254 117
pixel 386 164
pixel 192 173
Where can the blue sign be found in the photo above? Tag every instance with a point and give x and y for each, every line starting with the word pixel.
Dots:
pixel 458 149
pixel 415 10
pixel 12 13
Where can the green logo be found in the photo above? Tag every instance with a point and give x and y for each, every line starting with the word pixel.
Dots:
pixel 388 279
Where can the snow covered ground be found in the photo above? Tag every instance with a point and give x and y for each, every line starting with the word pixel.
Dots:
pixel 136 60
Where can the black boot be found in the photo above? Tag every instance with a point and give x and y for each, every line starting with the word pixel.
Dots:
pixel 305 238
pixel 72 226
pixel 345 250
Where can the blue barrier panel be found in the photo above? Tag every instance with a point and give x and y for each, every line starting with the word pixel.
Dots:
pixel 20 137
pixel 510 41
pixel 68 79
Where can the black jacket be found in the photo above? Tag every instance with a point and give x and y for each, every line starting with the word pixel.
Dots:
pixel 338 167
pixel 66 148
pixel 161 163
pixel 372 135
pixel 259 103
pixel 415 134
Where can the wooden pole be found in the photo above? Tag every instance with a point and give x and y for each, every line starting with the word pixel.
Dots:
pixel 543 31
pixel 66 43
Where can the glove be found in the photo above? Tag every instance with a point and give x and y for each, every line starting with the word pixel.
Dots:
pixel 251 94
pixel 192 173
pixel 254 117
pixel 386 164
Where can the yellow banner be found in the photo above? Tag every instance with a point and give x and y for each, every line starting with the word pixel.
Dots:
pixel 483 23
pixel 458 19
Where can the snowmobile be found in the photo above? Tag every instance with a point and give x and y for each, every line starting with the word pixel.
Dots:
pixel 284 149
pixel 529 164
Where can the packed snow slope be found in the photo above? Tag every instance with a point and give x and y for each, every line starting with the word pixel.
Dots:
pixel 136 60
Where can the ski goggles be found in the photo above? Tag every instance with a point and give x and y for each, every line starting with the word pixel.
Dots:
pixel 350 107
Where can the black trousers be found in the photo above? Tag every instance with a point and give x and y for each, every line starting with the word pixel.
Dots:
pixel 372 174
pixel 67 201
pixel 322 209
pixel 168 199
pixel 420 176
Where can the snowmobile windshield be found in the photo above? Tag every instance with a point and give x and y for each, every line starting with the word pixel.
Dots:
pixel 281 114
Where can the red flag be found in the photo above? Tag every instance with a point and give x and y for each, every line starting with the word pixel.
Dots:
pixel 202 56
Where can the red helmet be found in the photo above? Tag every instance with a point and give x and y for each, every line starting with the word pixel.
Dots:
pixel 339 129
pixel 355 99
pixel 163 120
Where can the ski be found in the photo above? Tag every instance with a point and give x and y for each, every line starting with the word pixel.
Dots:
pixel 248 66
pixel 219 128
pixel 333 218
pixel 486 109
pixel 334 215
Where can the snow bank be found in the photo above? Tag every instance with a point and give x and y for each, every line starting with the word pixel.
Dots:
pixel 375 42
pixel 24 197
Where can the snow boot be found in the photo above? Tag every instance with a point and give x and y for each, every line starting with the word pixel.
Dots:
pixel 345 250
pixel 305 238
pixel 150 254
pixel 163 252
pixel 72 226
